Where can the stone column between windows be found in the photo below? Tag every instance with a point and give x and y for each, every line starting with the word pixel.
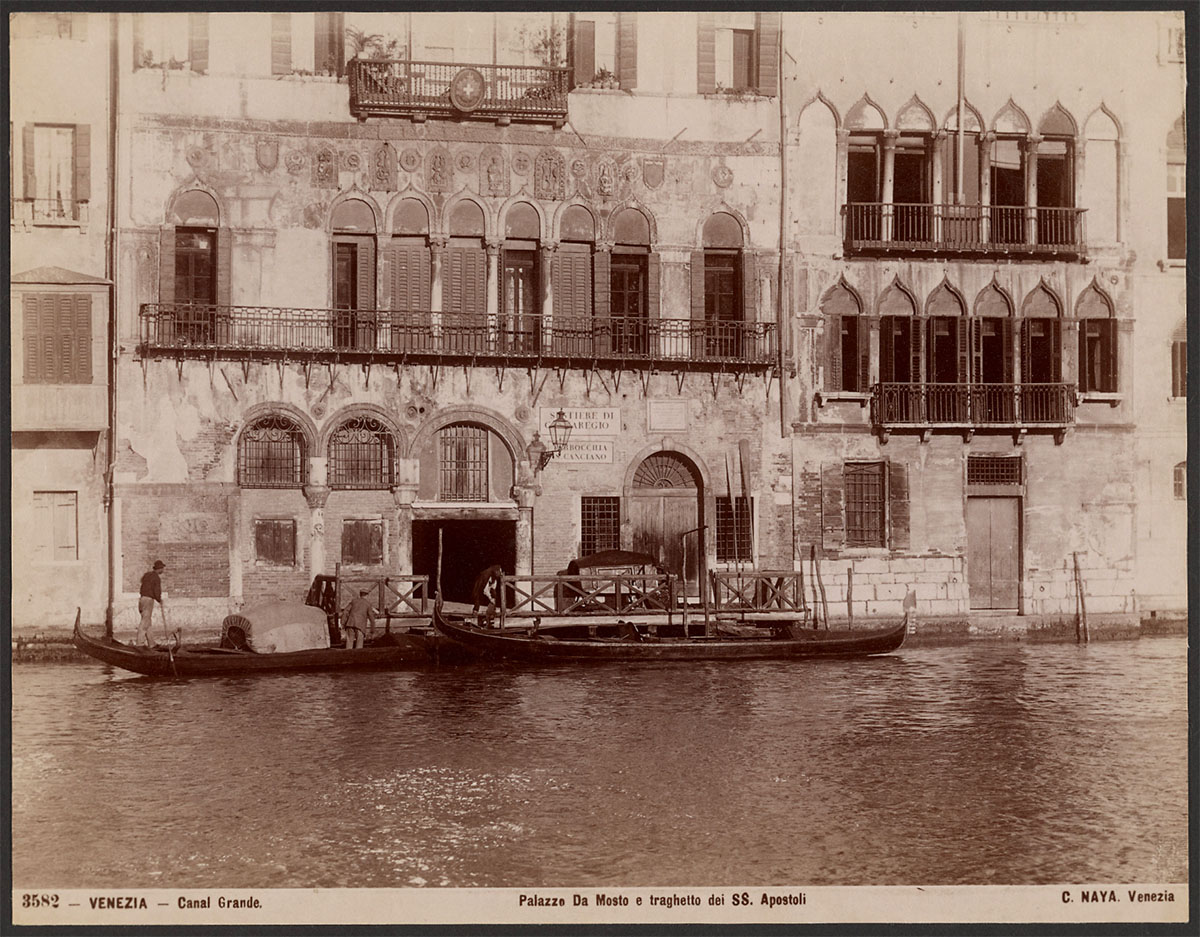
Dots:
pixel 316 493
pixel 985 186
pixel 1070 350
pixel 437 252
pixel 940 155
pixel 545 265
pixel 524 495
pixel 872 324
pixel 404 493
pixel 889 182
pixel 843 170
pixel 493 288
pixel 1030 147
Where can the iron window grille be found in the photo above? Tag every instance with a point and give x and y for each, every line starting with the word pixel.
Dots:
pixel 463 463
pixel 600 525
pixel 993 470
pixel 1179 369
pixel 275 541
pixel 734 532
pixel 362 455
pixel 865 504
pixel 271 454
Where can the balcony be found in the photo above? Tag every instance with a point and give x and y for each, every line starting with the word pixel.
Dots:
pixel 183 331
pixel 503 93
pixel 896 228
pixel 49 212
pixel 966 407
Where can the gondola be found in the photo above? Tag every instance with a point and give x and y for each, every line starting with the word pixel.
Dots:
pixel 413 647
pixel 629 642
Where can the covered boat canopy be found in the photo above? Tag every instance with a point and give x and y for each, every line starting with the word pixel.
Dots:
pixel 276 628
pixel 611 560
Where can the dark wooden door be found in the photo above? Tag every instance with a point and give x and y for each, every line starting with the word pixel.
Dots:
pixel 660 519
pixel 994 552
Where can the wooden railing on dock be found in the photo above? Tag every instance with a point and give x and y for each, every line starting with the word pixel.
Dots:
pixel 399 597
pixel 752 590
pixel 615 594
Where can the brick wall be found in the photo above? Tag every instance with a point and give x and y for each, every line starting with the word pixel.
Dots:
pixel 187 527
pixel 261 581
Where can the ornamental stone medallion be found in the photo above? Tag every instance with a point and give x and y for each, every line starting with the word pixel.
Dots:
pixel 439 172
pixel 493 174
pixel 295 161
pixel 606 180
pixel 197 157
pixel 465 161
pixel 383 168
pixel 521 164
pixel 352 161
pixel 266 152
pixel 549 179
pixel 409 160
pixel 722 176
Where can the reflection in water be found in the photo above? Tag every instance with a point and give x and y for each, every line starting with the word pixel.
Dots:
pixel 981 764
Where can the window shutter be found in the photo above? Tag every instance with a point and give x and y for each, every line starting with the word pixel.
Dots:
pixel 960 328
pixel 976 327
pixel 1110 359
pixel 916 335
pixel 1085 375
pixel 65 524
pixel 1006 335
pixel 452 280
pixel 749 287
pixel 627 49
pixel 365 274
pixel 83 162
pixel 706 54
pixel 329 43
pixel 166 264
pixel 584 51
pixel 887 349
pixel 862 340
pixel 833 339
pixel 653 286
pixel 1026 349
pixel 28 163
pixel 582 261
pixel 198 41
pixel 82 314
pixel 833 520
pixel 1056 349
pixel 66 341
pixel 281 43
pixel 476 294
pixel 224 266
pixel 32 337
pixel 698 286
pixel 601 300
pixel 49 341
pixel 138 42
pixel 766 55
pixel 898 513
pixel 43 525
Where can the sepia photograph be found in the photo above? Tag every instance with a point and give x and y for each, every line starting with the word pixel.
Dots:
pixel 652 467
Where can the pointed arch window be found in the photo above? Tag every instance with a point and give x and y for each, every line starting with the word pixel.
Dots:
pixel 629 283
pixel 354 275
pixel 362 455
pixel 1176 192
pixel 571 281
pixel 1055 179
pixel 1097 344
pixel 407 276
pixel 724 282
pixel 846 331
pixel 520 282
pixel 1041 339
pixel 272 453
pixel 946 358
pixel 993 399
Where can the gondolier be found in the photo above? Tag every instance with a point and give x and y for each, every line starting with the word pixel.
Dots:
pixel 151 592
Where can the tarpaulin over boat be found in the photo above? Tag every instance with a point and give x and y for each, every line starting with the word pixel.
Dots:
pixel 276 627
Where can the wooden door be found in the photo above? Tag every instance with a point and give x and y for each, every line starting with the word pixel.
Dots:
pixel 994 552
pixel 659 520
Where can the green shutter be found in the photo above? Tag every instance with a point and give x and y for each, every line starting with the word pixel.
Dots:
pixel 31 337
pixel 627 49
pixel 281 43
pixel 198 41
pixel 766 36
pixel 83 161
pixel 83 338
pixel 706 53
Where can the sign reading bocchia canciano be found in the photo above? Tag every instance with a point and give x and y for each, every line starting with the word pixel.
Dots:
pixel 587 450
pixel 586 422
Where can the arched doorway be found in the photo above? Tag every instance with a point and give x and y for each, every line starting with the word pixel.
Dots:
pixel 666 501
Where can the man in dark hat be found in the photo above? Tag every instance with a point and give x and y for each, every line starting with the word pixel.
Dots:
pixel 151 592
pixel 359 625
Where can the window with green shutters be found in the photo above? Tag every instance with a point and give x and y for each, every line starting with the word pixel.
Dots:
pixel 57 338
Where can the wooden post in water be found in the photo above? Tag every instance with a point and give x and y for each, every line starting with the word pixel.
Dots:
pixel 821 586
pixel 1081 622
pixel 850 593
pixel 438 600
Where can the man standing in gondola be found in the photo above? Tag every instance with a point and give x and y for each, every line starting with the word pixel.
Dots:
pixel 151 592
pixel 360 620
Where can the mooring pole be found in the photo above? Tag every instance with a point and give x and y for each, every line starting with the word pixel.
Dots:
pixel 1081 622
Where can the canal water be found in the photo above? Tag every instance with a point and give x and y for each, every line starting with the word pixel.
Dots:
pixel 976 764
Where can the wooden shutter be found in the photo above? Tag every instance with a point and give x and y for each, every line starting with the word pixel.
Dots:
pixel 329 43
pixel 365 274
pixel 198 41
pixel 653 286
pixel 407 278
pixel 465 269
pixel 1056 349
pixel 49 341
pixel 31 337
pixel 281 43
pixel 833 344
pixel 1006 336
pixel 571 281
pixel 28 164
pixel 584 51
pixel 65 351
pixel 749 287
pixel 706 53
pixel 138 41
pixel 862 339
pixel 43 525
pixel 601 299
pixel 65 526
pixel 698 286
pixel 166 264
pixel 976 326
pixel 83 162
pixel 766 53
pixel 1109 364
pixel 896 479
pixel 627 49
pixel 833 515
pixel 81 329
pixel 452 280
pixel 960 328
pixel 224 266
pixel 916 338
pixel 887 349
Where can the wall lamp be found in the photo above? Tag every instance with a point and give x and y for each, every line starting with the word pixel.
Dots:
pixel 560 434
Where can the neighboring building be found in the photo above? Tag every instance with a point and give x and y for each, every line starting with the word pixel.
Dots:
pixel 987 296
pixel 59 309
pixel 350 304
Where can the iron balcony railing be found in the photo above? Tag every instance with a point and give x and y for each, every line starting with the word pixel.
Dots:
pixel 399 87
pixel 897 227
pixel 182 329
pixel 973 404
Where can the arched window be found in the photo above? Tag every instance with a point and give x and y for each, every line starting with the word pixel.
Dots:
pixel 946 358
pixel 1041 338
pixel 1176 192
pixel 1097 343
pixel 463 459
pixel 992 354
pixel 353 226
pixel 1008 177
pixel 272 453
pixel 724 287
pixel 362 454
pixel 846 332
pixel 464 280
pixel 1056 179
pixel 571 281
pixel 633 283
pixel 407 275
pixel 194 262
pixel 1180 479
pixel 520 294
pixel 899 357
